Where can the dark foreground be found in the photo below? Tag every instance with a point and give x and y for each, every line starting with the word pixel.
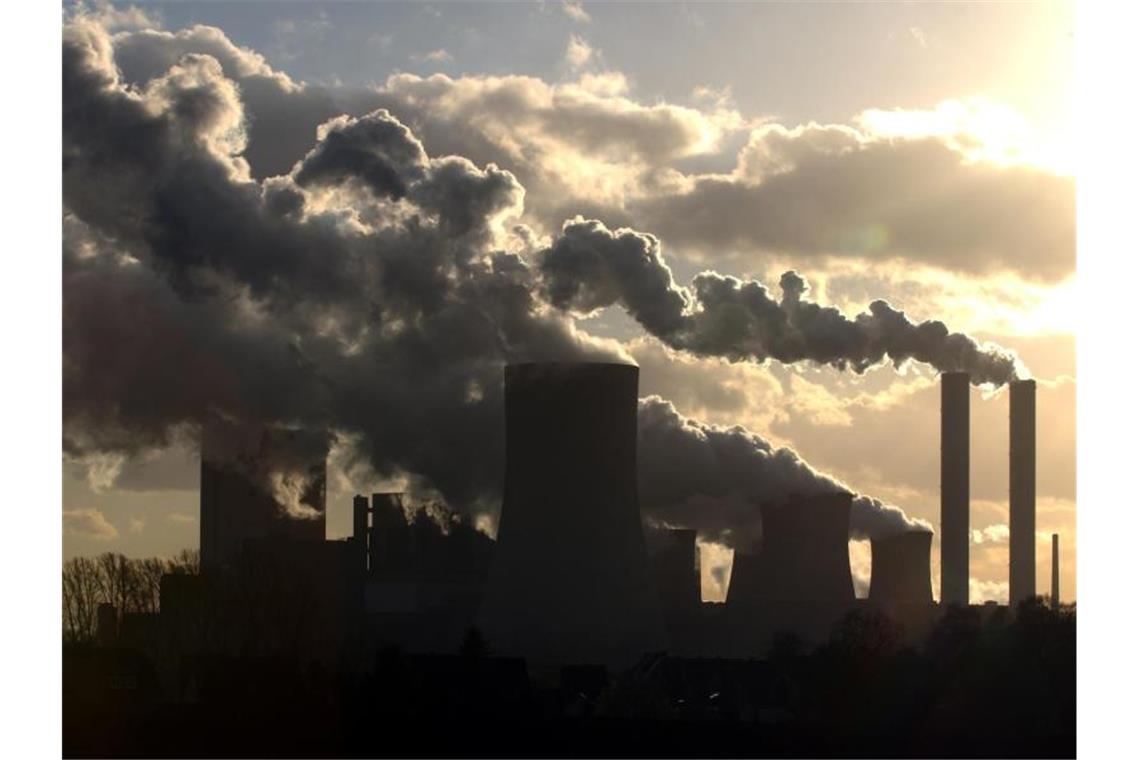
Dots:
pixel 1005 687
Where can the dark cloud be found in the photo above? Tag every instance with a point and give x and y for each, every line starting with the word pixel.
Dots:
pixel 590 267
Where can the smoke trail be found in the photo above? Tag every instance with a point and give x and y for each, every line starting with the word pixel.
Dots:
pixel 590 267
pixel 713 478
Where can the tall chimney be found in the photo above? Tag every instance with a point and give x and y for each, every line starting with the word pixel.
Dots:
pixel 1056 590
pixel 955 488
pixel 1022 490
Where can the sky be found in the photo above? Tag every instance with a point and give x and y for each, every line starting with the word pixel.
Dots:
pixel 916 154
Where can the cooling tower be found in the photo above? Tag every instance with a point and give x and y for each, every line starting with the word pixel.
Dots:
pixel 900 569
pixel 955 488
pixel 1022 490
pixel 803 554
pixel 570 580
pixel 676 570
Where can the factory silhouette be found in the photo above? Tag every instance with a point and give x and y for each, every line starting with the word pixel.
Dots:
pixel 575 619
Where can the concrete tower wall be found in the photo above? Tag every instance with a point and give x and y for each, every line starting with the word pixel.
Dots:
pixel 955 488
pixel 900 569
pixel 390 539
pixel 803 556
pixel 570 579
pixel 1022 490
pixel 676 570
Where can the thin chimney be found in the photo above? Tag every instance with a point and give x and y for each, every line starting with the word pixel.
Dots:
pixel 1056 590
pixel 1022 491
pixel 955 488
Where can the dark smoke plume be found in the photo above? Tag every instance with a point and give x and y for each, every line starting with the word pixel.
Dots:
pixel 590 267
pixel 372 291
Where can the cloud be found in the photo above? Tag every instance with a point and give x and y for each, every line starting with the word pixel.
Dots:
pixel 982 591
pixel 991 534
pixel 826 192
pixel 136 525
pixel 956 187
pixel 575 11
pixel 578 52
pixel 88 523
pixel 181 519
pixel 438 56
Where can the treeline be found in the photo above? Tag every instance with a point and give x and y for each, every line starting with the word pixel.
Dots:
pixel 132 585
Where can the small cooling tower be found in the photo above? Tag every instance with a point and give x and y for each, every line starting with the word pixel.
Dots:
pixel 803 555
pixel 570 581
pixel 900 569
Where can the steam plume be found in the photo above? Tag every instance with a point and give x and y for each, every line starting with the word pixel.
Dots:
pixel 590 267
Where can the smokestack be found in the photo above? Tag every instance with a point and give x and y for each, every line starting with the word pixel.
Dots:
pixel 900 569
pixel 1022 490
pixel 955 488
pixel 803 554
pixel 570 580
pixel 1055 594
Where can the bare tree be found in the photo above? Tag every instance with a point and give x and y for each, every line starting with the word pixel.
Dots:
pixel 82 594
pixel 132 585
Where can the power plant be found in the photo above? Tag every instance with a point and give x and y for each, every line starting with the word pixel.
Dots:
pixel 573 577
pixel 570 578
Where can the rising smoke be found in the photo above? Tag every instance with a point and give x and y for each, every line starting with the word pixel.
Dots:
pixel 377 291
pixel 590 267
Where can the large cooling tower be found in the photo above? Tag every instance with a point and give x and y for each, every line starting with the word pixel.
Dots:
pixel 803 554
pixel 900 569
pixel 955 488
pixel 1022 490
pixel 570 580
